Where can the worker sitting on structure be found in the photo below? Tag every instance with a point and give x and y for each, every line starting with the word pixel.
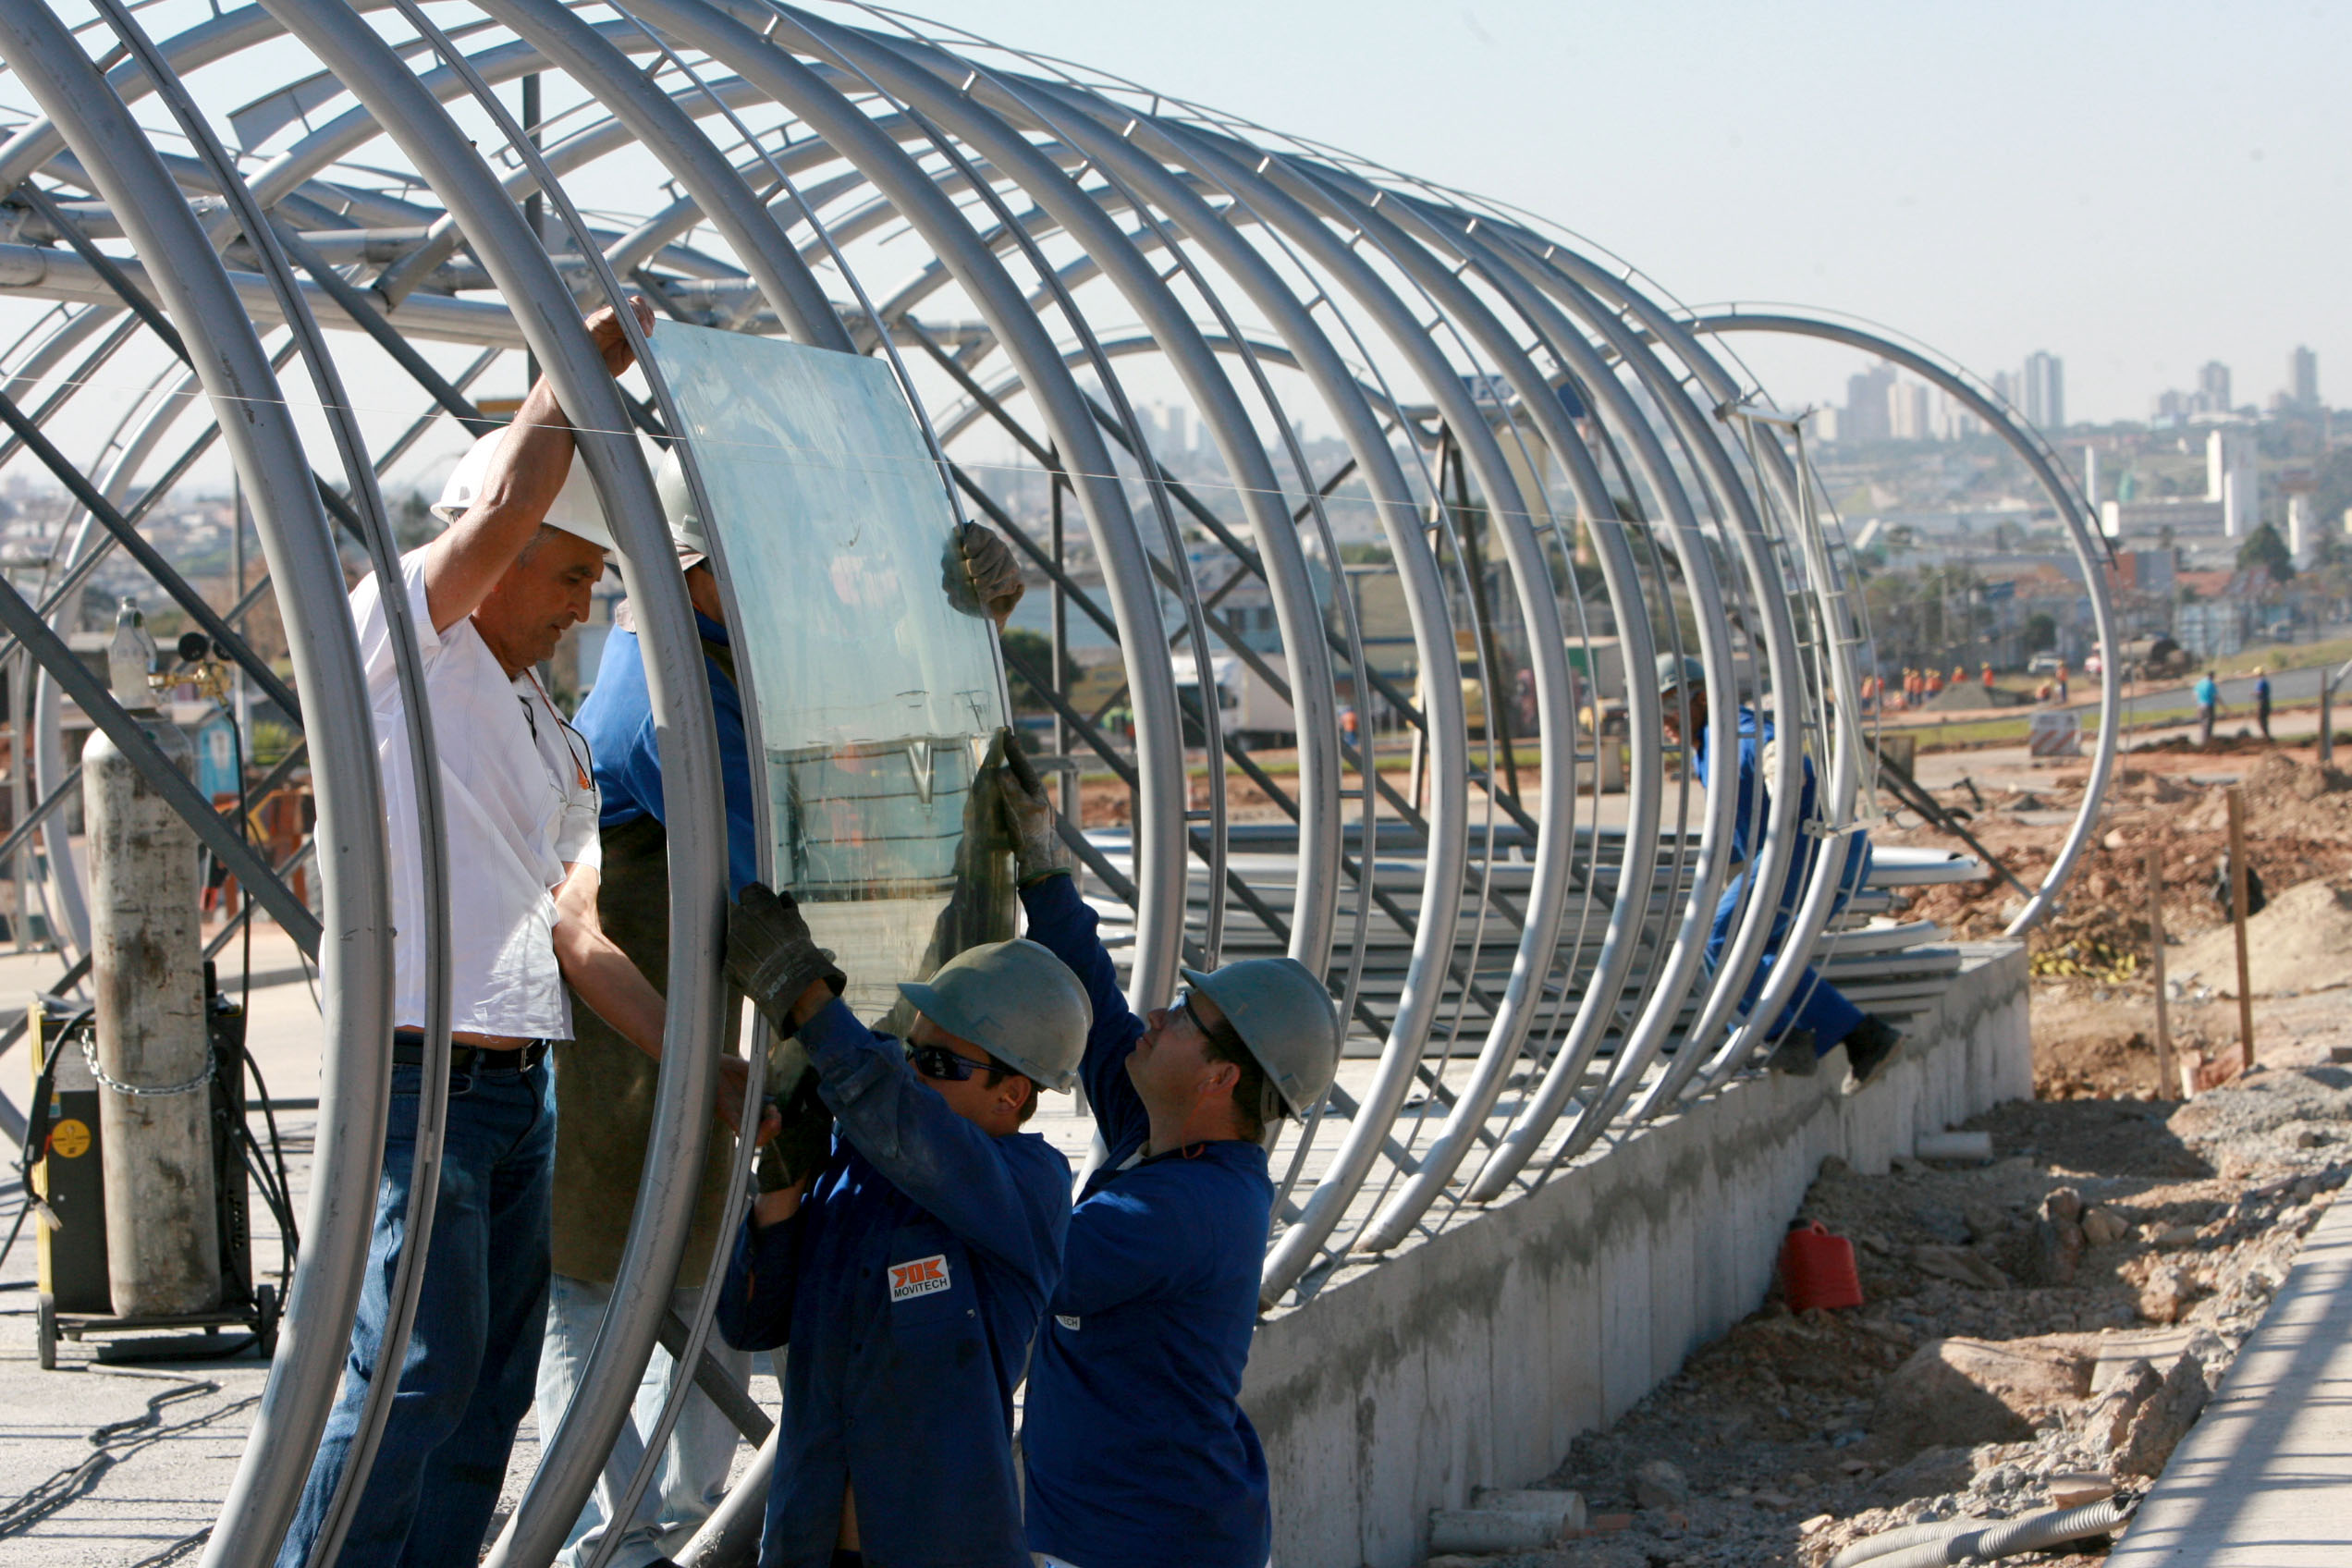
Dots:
pixel 489 598
pixel 605 1090
pixel 908 1272
pixel 1136 1448
pixel 1818 1017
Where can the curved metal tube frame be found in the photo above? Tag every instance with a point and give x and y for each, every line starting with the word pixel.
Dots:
pixel 1093 235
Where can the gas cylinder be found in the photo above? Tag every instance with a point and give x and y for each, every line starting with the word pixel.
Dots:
pixel 1816 1268
pixel 147 981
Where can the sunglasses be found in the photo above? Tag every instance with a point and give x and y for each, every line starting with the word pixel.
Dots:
pixel 937 1062
pixel 1222 1034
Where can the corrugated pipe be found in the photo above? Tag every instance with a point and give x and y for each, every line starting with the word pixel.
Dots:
pixel 1976 1540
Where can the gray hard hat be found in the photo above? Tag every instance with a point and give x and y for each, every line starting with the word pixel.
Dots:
pixel 686 530
pixel 1285 1017
pixel 1016 1001
pixel 1676 671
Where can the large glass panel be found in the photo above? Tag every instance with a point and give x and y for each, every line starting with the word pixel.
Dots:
pixel 868 661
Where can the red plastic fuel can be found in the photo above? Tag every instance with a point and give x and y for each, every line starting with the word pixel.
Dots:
pixel 1816 1268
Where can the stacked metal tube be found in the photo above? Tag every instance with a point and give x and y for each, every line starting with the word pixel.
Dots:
pixel 1543 449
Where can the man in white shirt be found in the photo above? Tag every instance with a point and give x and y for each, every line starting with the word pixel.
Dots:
pixel 490 597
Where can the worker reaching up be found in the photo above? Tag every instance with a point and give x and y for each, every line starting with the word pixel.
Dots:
pixel 1136 1451
pixel 488 598
pixel 909 1270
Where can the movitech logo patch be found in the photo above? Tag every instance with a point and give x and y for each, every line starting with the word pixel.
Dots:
pixel 923 1277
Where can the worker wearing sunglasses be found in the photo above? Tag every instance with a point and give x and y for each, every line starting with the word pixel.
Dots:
pixel 909 1270
pixel 1136 1452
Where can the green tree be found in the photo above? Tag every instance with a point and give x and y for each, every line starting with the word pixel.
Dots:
pixel 2263 548
pixel 1033 650
pixel 2041 632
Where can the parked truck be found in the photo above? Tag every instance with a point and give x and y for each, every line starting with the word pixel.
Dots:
pixel 1247 705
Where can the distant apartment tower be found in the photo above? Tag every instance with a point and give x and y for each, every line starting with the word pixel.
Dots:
pixel 2045 390
pixel 2213 387
pixel 1910 414
pixel 2303 378
pixel 1868 405
pixel 2232 478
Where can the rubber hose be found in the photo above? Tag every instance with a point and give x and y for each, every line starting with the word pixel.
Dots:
pixel 2035 1531
pixel 1870 1548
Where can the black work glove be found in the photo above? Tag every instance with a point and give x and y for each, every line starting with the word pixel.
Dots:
pixel 772 959
pixel 805 1143
pixel 1028 817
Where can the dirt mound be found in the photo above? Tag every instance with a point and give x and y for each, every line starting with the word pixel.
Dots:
pixel 1793 1433
pixel 2299 942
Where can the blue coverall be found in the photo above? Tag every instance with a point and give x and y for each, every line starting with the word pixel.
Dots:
pixel 618 721
pixel 1816 1005
pixel 908 1286
pixel 1136 1449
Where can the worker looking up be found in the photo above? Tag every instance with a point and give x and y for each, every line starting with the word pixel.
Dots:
pixel 1818 1017
pixel 1136 1448
pixel 605 1090
pixel 489 598
pixel 908 1271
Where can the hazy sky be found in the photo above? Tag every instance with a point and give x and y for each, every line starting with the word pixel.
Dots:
pixel 2138 188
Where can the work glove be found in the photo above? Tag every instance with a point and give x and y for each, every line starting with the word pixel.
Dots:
pixel 806 1141
pixel 1029 818
pixel 991 577
pixel 772 959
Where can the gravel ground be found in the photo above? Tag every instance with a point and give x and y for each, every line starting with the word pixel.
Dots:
pixel 2105 1232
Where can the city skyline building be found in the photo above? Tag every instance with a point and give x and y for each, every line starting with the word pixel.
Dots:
pixel 2303 378
pixel 2213 389
pixel 2045 390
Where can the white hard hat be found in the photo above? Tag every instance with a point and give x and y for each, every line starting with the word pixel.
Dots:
pixel 1015 1000
pixel 686 530
pixel 576 510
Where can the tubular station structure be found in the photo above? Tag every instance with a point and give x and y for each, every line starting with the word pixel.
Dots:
pixel 1426 476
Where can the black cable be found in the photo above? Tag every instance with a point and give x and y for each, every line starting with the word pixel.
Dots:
pixel 282 1206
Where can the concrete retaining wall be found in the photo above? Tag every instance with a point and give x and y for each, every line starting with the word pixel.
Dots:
pixel 1472 1358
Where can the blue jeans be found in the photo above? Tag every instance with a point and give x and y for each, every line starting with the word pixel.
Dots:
pixel 690 1479
pixel 1816 1005
pixel 474 1350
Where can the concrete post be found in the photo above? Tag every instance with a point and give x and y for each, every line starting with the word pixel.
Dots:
pixel 147 978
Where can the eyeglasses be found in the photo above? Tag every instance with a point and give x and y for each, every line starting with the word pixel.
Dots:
pixel 937 1062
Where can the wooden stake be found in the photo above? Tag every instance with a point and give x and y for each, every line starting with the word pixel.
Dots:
pixel 2156 947
pixel 2237 919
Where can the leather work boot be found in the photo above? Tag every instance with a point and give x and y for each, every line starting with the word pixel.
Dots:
pixel 1869 1051
pixel 1796 1054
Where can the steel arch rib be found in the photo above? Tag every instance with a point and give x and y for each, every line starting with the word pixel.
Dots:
pixel 2079 536
pixel 356 956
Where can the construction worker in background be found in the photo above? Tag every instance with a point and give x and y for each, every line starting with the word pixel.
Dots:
pixel 2209 707
pixel 1818 1017
pixel 1935 683
pixel 1135 1445
pixel 907 1272
pixel 489 598
pixel 604 1091
pixel 2061 680
pixel 1959 676
pixel 1988 680
pixel 2262 699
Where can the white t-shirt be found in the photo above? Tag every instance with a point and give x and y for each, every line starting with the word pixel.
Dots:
pixel 519 807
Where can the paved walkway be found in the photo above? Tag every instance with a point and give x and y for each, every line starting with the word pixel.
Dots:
pixel 2264 1479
